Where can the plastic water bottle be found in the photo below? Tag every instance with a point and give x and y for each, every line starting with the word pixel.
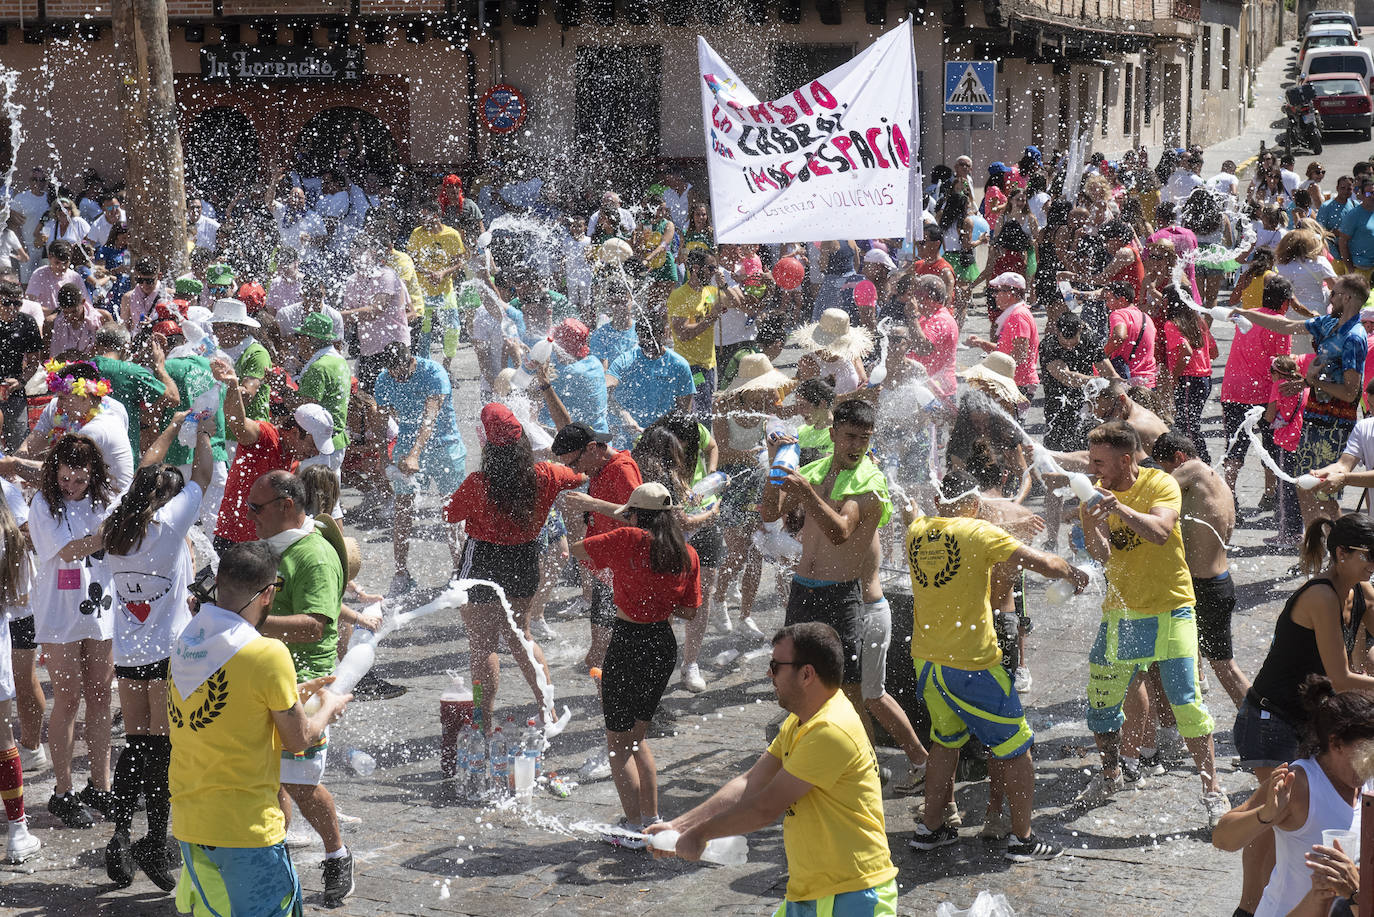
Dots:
pixel 462 742
pixel 925 398
pixel 1243 324
pixel 1083 489
pixel 500 761
pixel 788 456
pixel 710 485
pixel 525 765
pixel 1060 591
pixel 455 713
pixel 479 776
pixel 1066 291
pixel 723 851
pixel 360 762
pixel 349 672
pixel 1308 481
pixel 532 744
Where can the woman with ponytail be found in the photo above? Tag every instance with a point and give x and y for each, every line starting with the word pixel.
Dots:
pixel 152 568
pixel 655 575
pixel 1314 635
pixel 1296 802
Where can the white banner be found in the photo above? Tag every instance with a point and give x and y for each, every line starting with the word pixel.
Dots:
pixel 834 159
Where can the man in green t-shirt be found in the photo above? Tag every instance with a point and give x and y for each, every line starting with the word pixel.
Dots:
pixel 324 380
pixel 145 391
pixel 304 616
pixel 233 330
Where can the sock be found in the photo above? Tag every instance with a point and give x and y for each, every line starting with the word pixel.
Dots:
pixel 1148 752
pixel 158 751
pixel 12 784
pixel 337 854
pixel 128 777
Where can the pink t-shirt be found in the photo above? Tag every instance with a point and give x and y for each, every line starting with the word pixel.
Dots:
pixel 1246 379
pixel 1018 323
pixel 1199 363
pixel 80 336
pixel 44 284
pixel 1287 425
pixel 376 331
pixel 942 331
pixel 1138 354
pixel 1368 375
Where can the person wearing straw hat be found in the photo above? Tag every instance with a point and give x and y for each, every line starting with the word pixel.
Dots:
pixel 834 351
pixel 995 377
pixel 738 428
pixel 233 331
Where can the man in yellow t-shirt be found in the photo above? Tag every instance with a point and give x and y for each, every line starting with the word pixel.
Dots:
pixel 233 705
pixel 693 309
pixel 1147 615
pixel 821 776
pixel 958 663
pixel 438 253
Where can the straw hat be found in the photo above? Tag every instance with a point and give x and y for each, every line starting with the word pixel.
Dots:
pixel 756 373
pixel 997 373
pixel 834 335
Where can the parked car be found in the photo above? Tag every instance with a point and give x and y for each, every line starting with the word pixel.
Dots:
pixel 1326 36
pixel 1344 102
pixel 1356 59
pixel 1325 17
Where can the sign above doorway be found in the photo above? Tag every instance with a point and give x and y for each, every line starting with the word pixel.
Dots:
pixel 281 64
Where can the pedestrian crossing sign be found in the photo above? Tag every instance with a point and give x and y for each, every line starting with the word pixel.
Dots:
pixel 970 87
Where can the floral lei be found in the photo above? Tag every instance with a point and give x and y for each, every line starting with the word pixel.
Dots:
pixel 59 384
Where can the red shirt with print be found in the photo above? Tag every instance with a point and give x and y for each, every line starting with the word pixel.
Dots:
pixel 641 594
pixel 486 521
pixel 250 463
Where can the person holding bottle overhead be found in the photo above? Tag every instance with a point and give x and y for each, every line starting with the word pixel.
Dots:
pixel 145 547
pixel 504 506
pixel 655 575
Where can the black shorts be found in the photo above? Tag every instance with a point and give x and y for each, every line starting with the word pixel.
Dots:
pixel 1263 738
pixel 1216 600
pixel 639 664
pixel 22 634
pixel 1237 444
pixel 602 612
pixel 840 605
pixel 514 567
pixel 710 545
pixel 150 671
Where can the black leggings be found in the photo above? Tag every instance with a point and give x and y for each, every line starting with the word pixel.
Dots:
pixel 639 664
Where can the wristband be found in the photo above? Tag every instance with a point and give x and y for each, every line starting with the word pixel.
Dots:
pixel 1262 821
pixel 546 386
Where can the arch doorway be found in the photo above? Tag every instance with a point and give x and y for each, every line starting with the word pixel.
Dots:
pixel 221 150
pixel 350 137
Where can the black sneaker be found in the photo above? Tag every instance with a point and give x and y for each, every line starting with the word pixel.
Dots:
pixel 119 860
pixel 71 810
pixel 1153 766
pixel 151 856
pixel 925 839
pixel 103 801
pixel 373 687
pixel 1130 770
pixel 338 878
pixel 1026 849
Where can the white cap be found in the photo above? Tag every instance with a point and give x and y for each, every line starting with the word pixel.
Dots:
pixel 1008 279
pixel 878 256
pixel 232 312
pixel 319 423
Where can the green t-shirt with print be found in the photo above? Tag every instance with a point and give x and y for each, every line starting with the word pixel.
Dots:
pixel 134 387
pixel 313 585
pixel 327 383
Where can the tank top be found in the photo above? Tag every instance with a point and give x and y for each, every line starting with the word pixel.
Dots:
pixel 1293 656
pixel 1326 809
pixel 952 242
pixel 742 437
pixel 840 373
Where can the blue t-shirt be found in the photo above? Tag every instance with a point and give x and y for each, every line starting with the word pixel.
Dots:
pixel 1340 349
pixel 581 386
pixel 607 343
pixel 1330 215
pixel 648 389
pixel 1358 224
pixel 408 399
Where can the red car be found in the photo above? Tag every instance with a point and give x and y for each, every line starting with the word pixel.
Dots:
pixel 1343 101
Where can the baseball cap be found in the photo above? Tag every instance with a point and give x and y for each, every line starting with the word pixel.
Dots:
pixel 319 423
pixel 576 436
pixel 166 328
pixel 1033 152
pixel 219 275
pixel 1008 279
pixel 188 286
pixel 499 426
pixel 652 495
pixel 878 256
pixel 317 325
pixel 997 168
pixel 571 335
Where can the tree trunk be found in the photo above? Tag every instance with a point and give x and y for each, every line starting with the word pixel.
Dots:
pixel 154 170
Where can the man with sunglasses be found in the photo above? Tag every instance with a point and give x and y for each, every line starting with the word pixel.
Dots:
pixel 1355 237
pixel 141 300
pixel 21 347
pixel 305 616
pixel 111 215
pixel 821 777
pixel 232 695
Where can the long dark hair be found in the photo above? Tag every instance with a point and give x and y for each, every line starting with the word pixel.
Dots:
pixel 74 451
pixel 1182 315
pixel 660 458
pixel 667 546
pixel 1345 716
pixel 684 428
pixel 511 481
pixel 956 208
pixel 152 487
pixel 1353 530
pixel 14 567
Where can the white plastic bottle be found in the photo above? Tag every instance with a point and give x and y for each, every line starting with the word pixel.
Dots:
pixel 500 762
pixel 723 851
pixel 1083 489
pixel 479 775
pixel 360 762
pixel 350 670
pixel 710 485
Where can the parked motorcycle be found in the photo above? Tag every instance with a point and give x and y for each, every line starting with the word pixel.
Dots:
pixel 1304 122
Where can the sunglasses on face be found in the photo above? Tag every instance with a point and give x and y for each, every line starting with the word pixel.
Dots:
pixel 256 508
pixel 146 280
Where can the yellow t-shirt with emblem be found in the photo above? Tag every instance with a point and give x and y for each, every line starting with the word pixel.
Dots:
pixel 951 563
pixel 434 252
pixel 692 305
pixel 1148 578
pixel 226 756
pixel 835 836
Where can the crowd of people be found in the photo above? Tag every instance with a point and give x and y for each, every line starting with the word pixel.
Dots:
pixel 177 447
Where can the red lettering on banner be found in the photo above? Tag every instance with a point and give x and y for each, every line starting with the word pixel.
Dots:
pixel 814 164
pixel 787 112
pixel 720 122
pixel 842 144
pixel 903 151
pixel 761 178
pixel 871 135
pixel 822 95
pixel 760 113
pixel 802 104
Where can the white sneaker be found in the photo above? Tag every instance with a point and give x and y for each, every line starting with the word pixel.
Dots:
pixel 1217 804
pixel 749 629
pixel 34 761
pixel 1099 789
pixel 692 680
pixel 720 618
pixel 299 836
pixel 21 844
pixel 1022 680
pixel 543 630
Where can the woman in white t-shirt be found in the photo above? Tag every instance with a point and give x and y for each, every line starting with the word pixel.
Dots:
pixel 1301 260
pixel 73 605
pixel 152 568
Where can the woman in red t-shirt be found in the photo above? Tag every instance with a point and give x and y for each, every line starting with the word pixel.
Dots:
pixel 655 574
pixel 504 505
pixel 1190 349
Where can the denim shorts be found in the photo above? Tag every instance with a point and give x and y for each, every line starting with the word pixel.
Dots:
pixel 1263 738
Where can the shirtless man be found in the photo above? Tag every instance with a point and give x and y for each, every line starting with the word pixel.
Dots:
pixel 1208 519
pixel 845 499
pixel 1115 403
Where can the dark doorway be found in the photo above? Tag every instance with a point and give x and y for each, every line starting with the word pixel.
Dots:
pixel 221 152
pixel 348 137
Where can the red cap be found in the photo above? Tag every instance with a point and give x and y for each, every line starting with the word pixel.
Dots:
pixel 500 426
pixel 166 328
pixel 253 296
pixel 571 335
